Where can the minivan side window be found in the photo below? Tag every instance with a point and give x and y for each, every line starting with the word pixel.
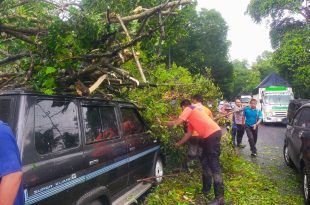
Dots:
pixel 296 119
pixel 304 119
pixel 131 121
pixel 56 126
pixel 100 123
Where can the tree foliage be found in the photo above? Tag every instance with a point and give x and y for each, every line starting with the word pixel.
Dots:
pixel 293 61
pixel 163 101
pixel 290 36
pixel 244 79
pixel 264 64
pixel 69 44
pixel 206 46
pixel 286 15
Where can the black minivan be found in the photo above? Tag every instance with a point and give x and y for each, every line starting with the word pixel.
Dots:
pixel 297 145
pixel 78 150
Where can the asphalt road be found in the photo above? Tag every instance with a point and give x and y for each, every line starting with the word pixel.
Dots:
pixel 270 158
pixel 269 145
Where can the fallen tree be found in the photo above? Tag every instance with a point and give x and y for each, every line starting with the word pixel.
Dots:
pixel 77 45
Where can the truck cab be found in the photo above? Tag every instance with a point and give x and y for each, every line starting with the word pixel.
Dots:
pixel 274 103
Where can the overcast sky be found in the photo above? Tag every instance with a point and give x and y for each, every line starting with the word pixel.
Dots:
pixel 248 39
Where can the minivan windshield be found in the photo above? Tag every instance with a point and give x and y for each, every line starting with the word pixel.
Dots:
pixel 278 99
pixel 5 110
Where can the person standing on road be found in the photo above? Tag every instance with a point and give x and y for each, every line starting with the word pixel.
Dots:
pixel 237 127
pixel 209 140
pixel 11 191
pixel 251 119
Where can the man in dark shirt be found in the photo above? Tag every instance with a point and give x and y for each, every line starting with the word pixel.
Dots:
pixel 11 190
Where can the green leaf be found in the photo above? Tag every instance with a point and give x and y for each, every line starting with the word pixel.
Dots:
pixel 50 70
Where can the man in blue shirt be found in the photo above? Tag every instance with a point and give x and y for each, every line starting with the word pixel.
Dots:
pixel 11 190
pixel 251 119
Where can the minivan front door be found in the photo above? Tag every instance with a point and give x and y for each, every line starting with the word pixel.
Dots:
pixel 141 147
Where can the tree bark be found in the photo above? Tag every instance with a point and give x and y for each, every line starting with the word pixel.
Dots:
pixel 133 50
pixel 153 10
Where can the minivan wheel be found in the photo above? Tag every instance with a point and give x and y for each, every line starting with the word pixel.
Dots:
pixel 287 158
pixel 158 170
pixel 306 186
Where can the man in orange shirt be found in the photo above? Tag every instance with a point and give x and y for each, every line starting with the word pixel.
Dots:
pixel 209 139
pixel 193 143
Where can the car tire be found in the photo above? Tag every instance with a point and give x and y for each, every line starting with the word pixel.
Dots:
pixel 305 188
pixel 158 170
pixel 287 158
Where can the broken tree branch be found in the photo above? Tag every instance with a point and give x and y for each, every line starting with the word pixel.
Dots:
pixel 14 58
pixel 97 83
pixel 155 177
pixel 149 12
pixel 132 49
pixel 20 36
pixel 25 31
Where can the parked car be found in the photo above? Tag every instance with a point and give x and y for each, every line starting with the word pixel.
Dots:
pixel 78 150
pixel 297 146
pixel 294 106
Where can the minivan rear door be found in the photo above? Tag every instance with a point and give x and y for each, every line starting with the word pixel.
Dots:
pixel 105 149
pixel 53 152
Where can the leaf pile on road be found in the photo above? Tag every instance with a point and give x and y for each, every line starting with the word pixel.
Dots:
pixel 245 183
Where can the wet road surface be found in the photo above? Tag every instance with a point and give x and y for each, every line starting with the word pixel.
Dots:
pixel 270 144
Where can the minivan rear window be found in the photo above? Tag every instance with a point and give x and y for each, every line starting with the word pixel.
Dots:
pixel 100 123
pixel 56 126
pixel 5 110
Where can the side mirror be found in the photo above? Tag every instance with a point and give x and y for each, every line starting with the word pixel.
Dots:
pixel 284 121
pixel 261 101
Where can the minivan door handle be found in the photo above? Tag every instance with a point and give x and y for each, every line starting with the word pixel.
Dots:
pixel 300 134
pixel 93 162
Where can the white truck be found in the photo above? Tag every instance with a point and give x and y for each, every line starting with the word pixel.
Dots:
pixel 273 100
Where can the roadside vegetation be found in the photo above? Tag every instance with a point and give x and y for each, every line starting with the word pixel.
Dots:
pixel 245 183
pixel 69 46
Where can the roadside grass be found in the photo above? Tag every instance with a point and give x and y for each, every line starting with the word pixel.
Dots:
pixel 246 183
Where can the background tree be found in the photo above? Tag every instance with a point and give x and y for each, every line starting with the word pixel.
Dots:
pixel 244 78
pixel 264 65
pixel 293 61
pixel 206 45
pixel 290 37
pixel 286 15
